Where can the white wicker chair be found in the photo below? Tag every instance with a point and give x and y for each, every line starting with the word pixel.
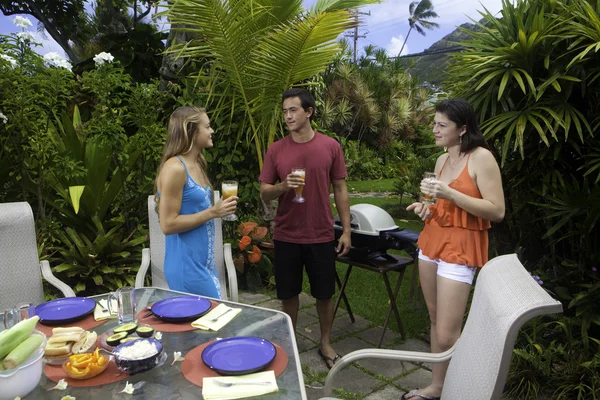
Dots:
pixel 155 256
pixel 506 296
pixel 19 263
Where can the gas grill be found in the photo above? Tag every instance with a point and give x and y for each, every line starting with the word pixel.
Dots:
pixel 373 233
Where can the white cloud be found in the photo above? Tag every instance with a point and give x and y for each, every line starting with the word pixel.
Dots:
pixel 393 48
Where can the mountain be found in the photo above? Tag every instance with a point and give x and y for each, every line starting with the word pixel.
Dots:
pixel 430 65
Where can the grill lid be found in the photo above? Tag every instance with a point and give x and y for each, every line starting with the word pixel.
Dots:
pixel 367 219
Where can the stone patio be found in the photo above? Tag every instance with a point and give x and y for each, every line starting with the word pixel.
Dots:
pixel 367 379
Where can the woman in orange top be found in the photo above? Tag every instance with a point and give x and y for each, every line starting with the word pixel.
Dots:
pixel 454 241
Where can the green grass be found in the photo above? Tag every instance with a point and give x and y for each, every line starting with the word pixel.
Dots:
pixel 378 185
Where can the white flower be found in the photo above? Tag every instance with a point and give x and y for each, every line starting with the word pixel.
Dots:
pixel 17 398
pixel 3 117
pixel 61 385
pixel 68 397
pixel 55 59
pixel 158 335
pixel 177 357
pixel 12 61
pixel 26 36
pixel 128 388
pixel 23 22
pixel 103 57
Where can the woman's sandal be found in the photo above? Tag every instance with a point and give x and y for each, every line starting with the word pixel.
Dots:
pixel 414 393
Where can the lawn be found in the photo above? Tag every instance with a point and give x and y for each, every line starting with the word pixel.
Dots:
pixel 379 185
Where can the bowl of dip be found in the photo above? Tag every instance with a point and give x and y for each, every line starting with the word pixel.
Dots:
pixel 138 355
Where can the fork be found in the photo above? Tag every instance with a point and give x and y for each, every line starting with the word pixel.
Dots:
pixel 220 315
pixel 229 384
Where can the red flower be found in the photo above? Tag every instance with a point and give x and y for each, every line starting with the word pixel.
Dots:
pixel 259 233
pixel 255 255
pixel 247 227
pixel 244 242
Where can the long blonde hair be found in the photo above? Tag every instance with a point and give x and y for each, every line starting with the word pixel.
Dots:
pixel 183 126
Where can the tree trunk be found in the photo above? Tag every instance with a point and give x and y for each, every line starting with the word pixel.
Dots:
pixel 405 39
pixel 56 35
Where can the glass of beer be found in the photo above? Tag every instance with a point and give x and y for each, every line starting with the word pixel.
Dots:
pixel 427 199
pixel 229 188
pixel 299 172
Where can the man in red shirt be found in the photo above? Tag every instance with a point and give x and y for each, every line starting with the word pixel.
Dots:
pixel 304 234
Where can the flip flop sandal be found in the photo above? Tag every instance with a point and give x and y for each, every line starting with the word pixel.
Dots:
pixel 415 394
pixel 329 359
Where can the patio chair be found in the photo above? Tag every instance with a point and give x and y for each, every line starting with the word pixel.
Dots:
pixel 19 263
pixel 155 256
pixel 506 296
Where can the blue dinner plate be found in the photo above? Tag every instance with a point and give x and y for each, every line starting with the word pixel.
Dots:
pixel 180 308
pixel 62 311
pixel 239 355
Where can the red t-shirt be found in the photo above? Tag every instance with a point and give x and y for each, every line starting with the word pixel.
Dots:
pixel 323 162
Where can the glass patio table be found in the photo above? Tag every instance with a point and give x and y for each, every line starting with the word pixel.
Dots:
pixel 166 382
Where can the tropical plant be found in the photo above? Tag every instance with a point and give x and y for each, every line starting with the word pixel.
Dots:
pixel 420 14
pixel 532 76
pixel 249 51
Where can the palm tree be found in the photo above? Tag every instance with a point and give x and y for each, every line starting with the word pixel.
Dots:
pixel 250 51
pixel 420 12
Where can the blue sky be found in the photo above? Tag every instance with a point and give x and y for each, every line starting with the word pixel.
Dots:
pixel 385 27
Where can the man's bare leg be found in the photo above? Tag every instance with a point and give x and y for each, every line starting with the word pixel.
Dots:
pixel 290 307
pixel 325 311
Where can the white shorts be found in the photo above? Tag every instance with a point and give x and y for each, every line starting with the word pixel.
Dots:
pixel 456 272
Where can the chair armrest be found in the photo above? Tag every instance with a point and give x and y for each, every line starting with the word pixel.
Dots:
pixel 141 274
pixel 231 272
pixel 54 281
pixel 399 355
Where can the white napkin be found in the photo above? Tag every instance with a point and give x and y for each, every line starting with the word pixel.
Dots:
pixel 205 322
pixel 100 313
pixel 211 390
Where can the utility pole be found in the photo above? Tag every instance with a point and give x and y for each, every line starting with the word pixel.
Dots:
pixel 354 35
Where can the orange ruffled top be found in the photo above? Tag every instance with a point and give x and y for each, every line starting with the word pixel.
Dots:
pixel 452 234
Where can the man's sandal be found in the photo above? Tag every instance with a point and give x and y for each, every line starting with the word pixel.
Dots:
pixel 414 393
pixel 330 362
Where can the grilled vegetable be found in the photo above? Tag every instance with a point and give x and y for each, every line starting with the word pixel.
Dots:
pixel 15 335
pixel 22 351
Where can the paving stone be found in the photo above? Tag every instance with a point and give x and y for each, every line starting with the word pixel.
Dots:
pixel 350 344
pixel 252 298
pixel 305 319
pixel 306 300
pixel 305 344
pixel 387 368
pixel 343 325
pixel 372 336
pixel 418 378
pixel 387 393
pixel 271 304
pixel 415 345
pixel 312 332
pixel 351 379
pixel 313 394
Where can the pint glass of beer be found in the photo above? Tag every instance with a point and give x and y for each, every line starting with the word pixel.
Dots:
pixel 301 173
pixel 426 198
pixel 229 188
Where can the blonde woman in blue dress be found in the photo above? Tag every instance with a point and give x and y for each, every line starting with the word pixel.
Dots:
pixel 184 204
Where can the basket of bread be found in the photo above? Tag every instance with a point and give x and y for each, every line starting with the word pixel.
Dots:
pixel 65 342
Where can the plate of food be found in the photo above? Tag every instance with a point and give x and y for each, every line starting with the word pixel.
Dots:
pixel 65 342
pixel 125 333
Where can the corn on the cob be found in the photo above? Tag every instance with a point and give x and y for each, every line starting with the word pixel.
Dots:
pixel 22 351
pixel 12 337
